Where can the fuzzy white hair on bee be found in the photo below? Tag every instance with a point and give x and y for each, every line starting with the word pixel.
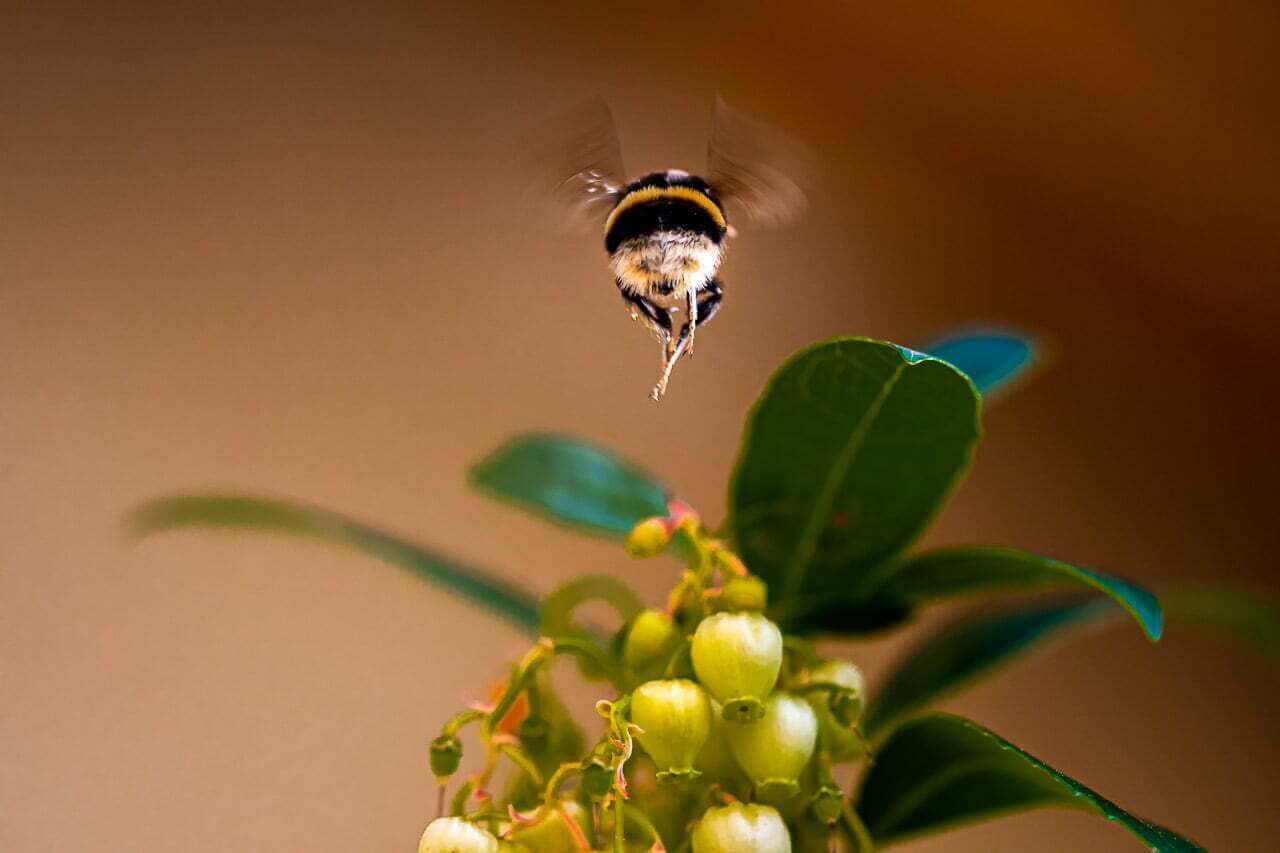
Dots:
pixel 666 232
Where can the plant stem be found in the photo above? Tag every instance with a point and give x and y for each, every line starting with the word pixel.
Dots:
pixel 861 836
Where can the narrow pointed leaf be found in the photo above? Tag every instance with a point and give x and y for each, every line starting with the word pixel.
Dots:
pixel 941 770
pixel 898 588
pixel 571 482
pixel 986 569
pixel 994 359
pixel 850 450
pixel 271 515
pixel 966 649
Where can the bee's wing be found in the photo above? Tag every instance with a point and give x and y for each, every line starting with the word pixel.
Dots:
pixel 754 168
pixel 579 163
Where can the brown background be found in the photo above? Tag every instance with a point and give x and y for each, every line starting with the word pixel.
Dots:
pixel 282 250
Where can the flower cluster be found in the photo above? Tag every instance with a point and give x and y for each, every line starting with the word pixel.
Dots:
pixel 720 735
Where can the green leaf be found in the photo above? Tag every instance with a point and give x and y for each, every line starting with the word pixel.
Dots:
pixel 939 771
pixel 570 482
pixel 890 593
pixel 846 456
pixel 962 651
pixel 270 515
pixel 970 569
pixel 993 358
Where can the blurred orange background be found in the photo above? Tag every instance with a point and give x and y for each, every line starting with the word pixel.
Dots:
pixel 284 250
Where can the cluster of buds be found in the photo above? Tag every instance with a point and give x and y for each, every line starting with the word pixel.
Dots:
pixel 721 734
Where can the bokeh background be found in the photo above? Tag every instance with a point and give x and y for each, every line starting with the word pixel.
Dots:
pixel 285 250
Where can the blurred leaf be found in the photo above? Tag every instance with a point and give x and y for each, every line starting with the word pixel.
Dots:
pixel 850 450
pixel 1225 610
pixel 967 648
pixel 571 482
pixel 564 743
pixel 941 770
pixel 272 515
pixel 992 358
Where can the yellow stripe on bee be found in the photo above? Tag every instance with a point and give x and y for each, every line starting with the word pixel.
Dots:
pixel 647 194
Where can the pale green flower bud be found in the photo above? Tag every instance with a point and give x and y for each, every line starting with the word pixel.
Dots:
pixel 838 737
pixel 739 594
pixel 650 639
pixel 675 717
pixel 737 657
pixel 773 751
pixel 455 835
pixel 741 828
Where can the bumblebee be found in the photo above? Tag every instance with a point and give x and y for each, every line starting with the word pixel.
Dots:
pixel 666 232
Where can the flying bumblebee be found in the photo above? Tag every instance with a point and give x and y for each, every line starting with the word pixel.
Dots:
pixel 666 232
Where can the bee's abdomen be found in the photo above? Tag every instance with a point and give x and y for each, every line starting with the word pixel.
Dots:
pixel 648 208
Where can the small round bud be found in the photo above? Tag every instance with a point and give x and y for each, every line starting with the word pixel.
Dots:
pixel 446 754
pixel 838 714
pixel 774 750
pixel 552 834
pixel 650 638
pixel 675 717
pixel 747 594
pixel 455 835
pixel 737 657
pixel 648 538
pixel 741 828
pixel 597 779
pixel 533 732
pixel 828 804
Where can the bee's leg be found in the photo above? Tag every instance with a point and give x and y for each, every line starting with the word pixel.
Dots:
pixel 708 304
pixel 709 299
pixel 655 319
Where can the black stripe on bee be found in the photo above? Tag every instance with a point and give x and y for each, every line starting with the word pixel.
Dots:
pixel 665 201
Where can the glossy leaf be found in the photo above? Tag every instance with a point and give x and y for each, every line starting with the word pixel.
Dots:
pixel 570 482
pixel 850 450
pixel 271 515
pixel 939 771
pixel 895 590
pixel 964 650
pixel 993 358
pixel 973 569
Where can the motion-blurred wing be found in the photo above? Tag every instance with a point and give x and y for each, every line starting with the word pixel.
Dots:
pixel 580 162
pixel 754 168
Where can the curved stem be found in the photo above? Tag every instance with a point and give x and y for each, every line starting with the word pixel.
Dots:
pixel 524 762
pixel 861 836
